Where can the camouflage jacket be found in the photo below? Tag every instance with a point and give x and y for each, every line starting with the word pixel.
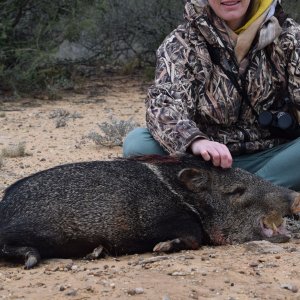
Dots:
pixel 193 97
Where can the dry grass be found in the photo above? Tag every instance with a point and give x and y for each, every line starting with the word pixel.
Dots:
pixel 12 151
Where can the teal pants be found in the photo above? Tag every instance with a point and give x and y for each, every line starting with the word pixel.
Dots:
pixel 280 165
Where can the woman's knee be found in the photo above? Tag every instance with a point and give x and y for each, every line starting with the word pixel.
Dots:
pixel 140 142
pixel 283 168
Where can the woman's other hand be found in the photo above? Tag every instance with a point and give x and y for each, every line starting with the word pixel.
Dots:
pixel 216 152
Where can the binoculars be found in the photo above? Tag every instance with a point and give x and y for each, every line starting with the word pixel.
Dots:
pixel 280 123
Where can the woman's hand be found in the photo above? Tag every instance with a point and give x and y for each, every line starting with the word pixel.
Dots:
pixel 216 152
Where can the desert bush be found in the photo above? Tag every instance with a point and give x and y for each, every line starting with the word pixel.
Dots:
pixel 58 113
pixel 62 116
pixel 12 151
pixel 112 133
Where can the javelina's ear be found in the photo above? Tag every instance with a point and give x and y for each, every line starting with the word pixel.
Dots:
pixel 195 179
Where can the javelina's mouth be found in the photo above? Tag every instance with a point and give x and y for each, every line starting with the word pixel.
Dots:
pixel 270 230
pixel 274 225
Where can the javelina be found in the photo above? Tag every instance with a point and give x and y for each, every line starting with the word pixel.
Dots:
pixel 131 206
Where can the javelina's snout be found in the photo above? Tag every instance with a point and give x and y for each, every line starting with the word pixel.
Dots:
pixel 273 223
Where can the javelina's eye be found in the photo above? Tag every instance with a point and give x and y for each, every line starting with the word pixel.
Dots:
pixel 235 194
pixel 237 190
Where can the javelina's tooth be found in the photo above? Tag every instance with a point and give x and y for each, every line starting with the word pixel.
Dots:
pixel 275 229
pixel 295 207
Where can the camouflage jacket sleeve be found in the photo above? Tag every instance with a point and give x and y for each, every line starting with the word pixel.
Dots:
pixel 291 48
pixel 170 103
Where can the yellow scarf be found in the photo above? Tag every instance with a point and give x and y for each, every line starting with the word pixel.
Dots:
pixel 259 8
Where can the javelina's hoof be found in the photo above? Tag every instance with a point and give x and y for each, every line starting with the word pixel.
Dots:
pixel 182 243
pixel 95 254
pixel 31 260
pixel 167 246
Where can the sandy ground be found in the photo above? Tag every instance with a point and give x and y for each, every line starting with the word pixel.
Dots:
pixel 255 270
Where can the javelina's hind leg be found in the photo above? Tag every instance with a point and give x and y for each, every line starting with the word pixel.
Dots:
pixel 95 254
pixel 186 243
pixel 31 255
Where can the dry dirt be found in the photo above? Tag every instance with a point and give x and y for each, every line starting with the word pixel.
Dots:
pixel 257 270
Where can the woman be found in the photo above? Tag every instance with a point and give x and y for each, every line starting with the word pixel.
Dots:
pixel 232 65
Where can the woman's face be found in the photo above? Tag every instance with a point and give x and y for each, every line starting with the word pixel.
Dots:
pixel 231 11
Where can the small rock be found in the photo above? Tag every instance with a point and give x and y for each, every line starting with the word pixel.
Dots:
pixel 90 289
pixel 136 291
pixel 105 282
pixel 291 287
pixel 74 268
pixel 253 264
pixel 176 273
pixel 71 292
pixel 151 260
pixel 194 295
pixel 263 247
pixel 272 265
pixel 166 297
pixel 185 257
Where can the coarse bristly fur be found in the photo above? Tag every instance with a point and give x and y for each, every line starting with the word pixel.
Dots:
pixel 137 205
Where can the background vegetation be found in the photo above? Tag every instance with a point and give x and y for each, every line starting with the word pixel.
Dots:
pixel 125 33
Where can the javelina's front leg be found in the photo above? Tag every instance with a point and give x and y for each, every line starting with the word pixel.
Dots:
pixel 95 254
pixel 31 255
pixel 183 243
